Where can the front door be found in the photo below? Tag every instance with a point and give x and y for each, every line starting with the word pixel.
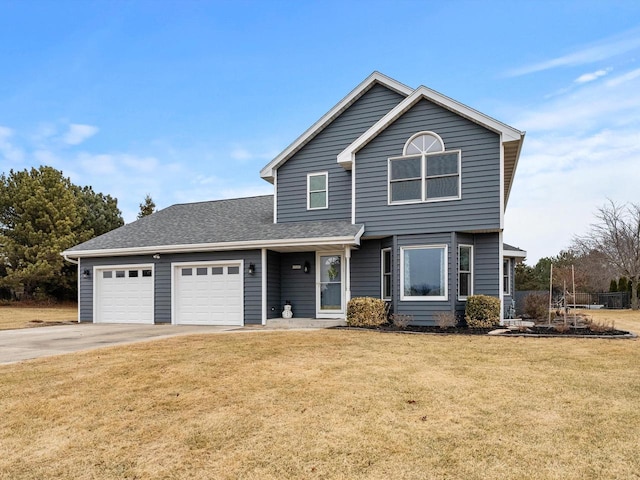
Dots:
pixel 329 281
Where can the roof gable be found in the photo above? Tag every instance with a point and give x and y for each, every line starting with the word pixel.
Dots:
pixel 511 139
pixel 268 172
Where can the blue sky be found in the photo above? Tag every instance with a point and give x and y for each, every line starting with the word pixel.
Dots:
pixel 187 100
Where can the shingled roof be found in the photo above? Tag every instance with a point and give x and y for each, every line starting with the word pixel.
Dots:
pixel 236 223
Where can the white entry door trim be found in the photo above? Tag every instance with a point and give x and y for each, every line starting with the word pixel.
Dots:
pixel 330 284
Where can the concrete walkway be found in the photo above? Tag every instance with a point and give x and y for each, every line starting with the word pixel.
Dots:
pixel 27 343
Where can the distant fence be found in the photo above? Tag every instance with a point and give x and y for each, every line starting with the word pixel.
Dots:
pixel 613 300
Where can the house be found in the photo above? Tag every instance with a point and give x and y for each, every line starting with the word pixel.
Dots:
pixel 395 193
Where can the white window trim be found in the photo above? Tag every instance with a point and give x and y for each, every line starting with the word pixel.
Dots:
pixel 470 247
pixel 440 298
pixel 382 273
pixel 508 275
pixel 419 134
pixel 326 190
pixel 423 179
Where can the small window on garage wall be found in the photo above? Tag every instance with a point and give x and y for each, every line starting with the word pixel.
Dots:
pixel 119 273
pixel 201 271
pixel 233 270
pixel 107 274
pixel 217 271
pixel 133 273
pixel 186 272
pixel 146 273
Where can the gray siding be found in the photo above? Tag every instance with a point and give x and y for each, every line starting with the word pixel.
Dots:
pixel 366 270
pixel 162 281
pixel 296 286
pixel 487 267
pixel 274 305
pixel 320 154
pixel 479 207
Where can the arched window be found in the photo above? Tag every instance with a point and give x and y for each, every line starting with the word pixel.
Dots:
pixel 423 142
pixel 425 172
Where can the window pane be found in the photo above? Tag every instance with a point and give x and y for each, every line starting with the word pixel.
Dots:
pixel 233 270
pixel 465 259
pixel 216 271
pixel 424 144
pixel 119 273
pixel 133 273
pixel 318 200
pixel 107 274
pixel 201 271
pixel 331 296
pixel 386 261
pixel 465 281
pixel 146 273
pixel 330 269
pixel 406 168
pixel 424 272
pixel 186 272
pixel 386 286
pixel 409 190
pixel 317 182
pixel 442 187
pixel 444 164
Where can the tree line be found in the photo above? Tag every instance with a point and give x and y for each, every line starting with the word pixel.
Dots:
pixel 42 213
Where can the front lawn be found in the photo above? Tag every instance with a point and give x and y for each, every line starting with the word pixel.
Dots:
pixel 326 404
pixel 18 315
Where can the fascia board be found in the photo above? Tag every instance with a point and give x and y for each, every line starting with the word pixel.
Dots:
pixel 514 253
pixel 509 134
pixel 515 167
pixel 221 246
pixel 341 106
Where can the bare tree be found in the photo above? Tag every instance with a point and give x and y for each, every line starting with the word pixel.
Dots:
pixel 616 237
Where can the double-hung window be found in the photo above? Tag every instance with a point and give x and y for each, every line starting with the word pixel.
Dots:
pixel 423 272
pixel 465 271
pixel 386 273
pixel 506 276
pixel 425 172
pixel 317 190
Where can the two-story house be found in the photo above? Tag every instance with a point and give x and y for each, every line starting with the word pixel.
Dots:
pixel 395 193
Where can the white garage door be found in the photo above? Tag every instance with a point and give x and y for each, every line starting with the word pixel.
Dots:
pixel 123 294
pixel 208 294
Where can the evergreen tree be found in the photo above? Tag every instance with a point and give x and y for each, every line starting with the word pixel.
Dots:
pixel 147 207
pixel 613 286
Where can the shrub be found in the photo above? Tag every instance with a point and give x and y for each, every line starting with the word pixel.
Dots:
pixel 366 312
pixel 446 320
pixel 401 321
pixel 482 311
pixel 536 306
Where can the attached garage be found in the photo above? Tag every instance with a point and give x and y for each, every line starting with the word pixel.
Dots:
pixel 123 294
pixel 209 293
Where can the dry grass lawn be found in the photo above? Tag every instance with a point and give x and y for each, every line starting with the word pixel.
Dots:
pixel 23 316
pixel 326 405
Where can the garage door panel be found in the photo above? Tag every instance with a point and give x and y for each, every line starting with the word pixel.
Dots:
pixel 124 295
pixel 211 295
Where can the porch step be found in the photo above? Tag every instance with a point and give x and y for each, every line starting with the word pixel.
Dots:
pixel 305 322
pixel 516 322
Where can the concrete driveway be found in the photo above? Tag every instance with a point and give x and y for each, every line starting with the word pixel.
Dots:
pixel 26 343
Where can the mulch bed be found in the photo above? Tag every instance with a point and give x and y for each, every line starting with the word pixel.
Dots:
pixel 537 331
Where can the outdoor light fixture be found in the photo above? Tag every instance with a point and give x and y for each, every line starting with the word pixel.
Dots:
pixel 252 269
pixel 156 256
pixel 86 273
pixel 307 267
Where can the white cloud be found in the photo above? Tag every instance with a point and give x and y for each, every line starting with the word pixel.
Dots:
pixel 8 152
pixel 139 164
pixel 604 49
pixel 78 133
pixel 590 77
pixel 627 77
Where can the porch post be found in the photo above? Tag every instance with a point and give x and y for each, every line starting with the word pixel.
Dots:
pixel 347 275
pixel 263 270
